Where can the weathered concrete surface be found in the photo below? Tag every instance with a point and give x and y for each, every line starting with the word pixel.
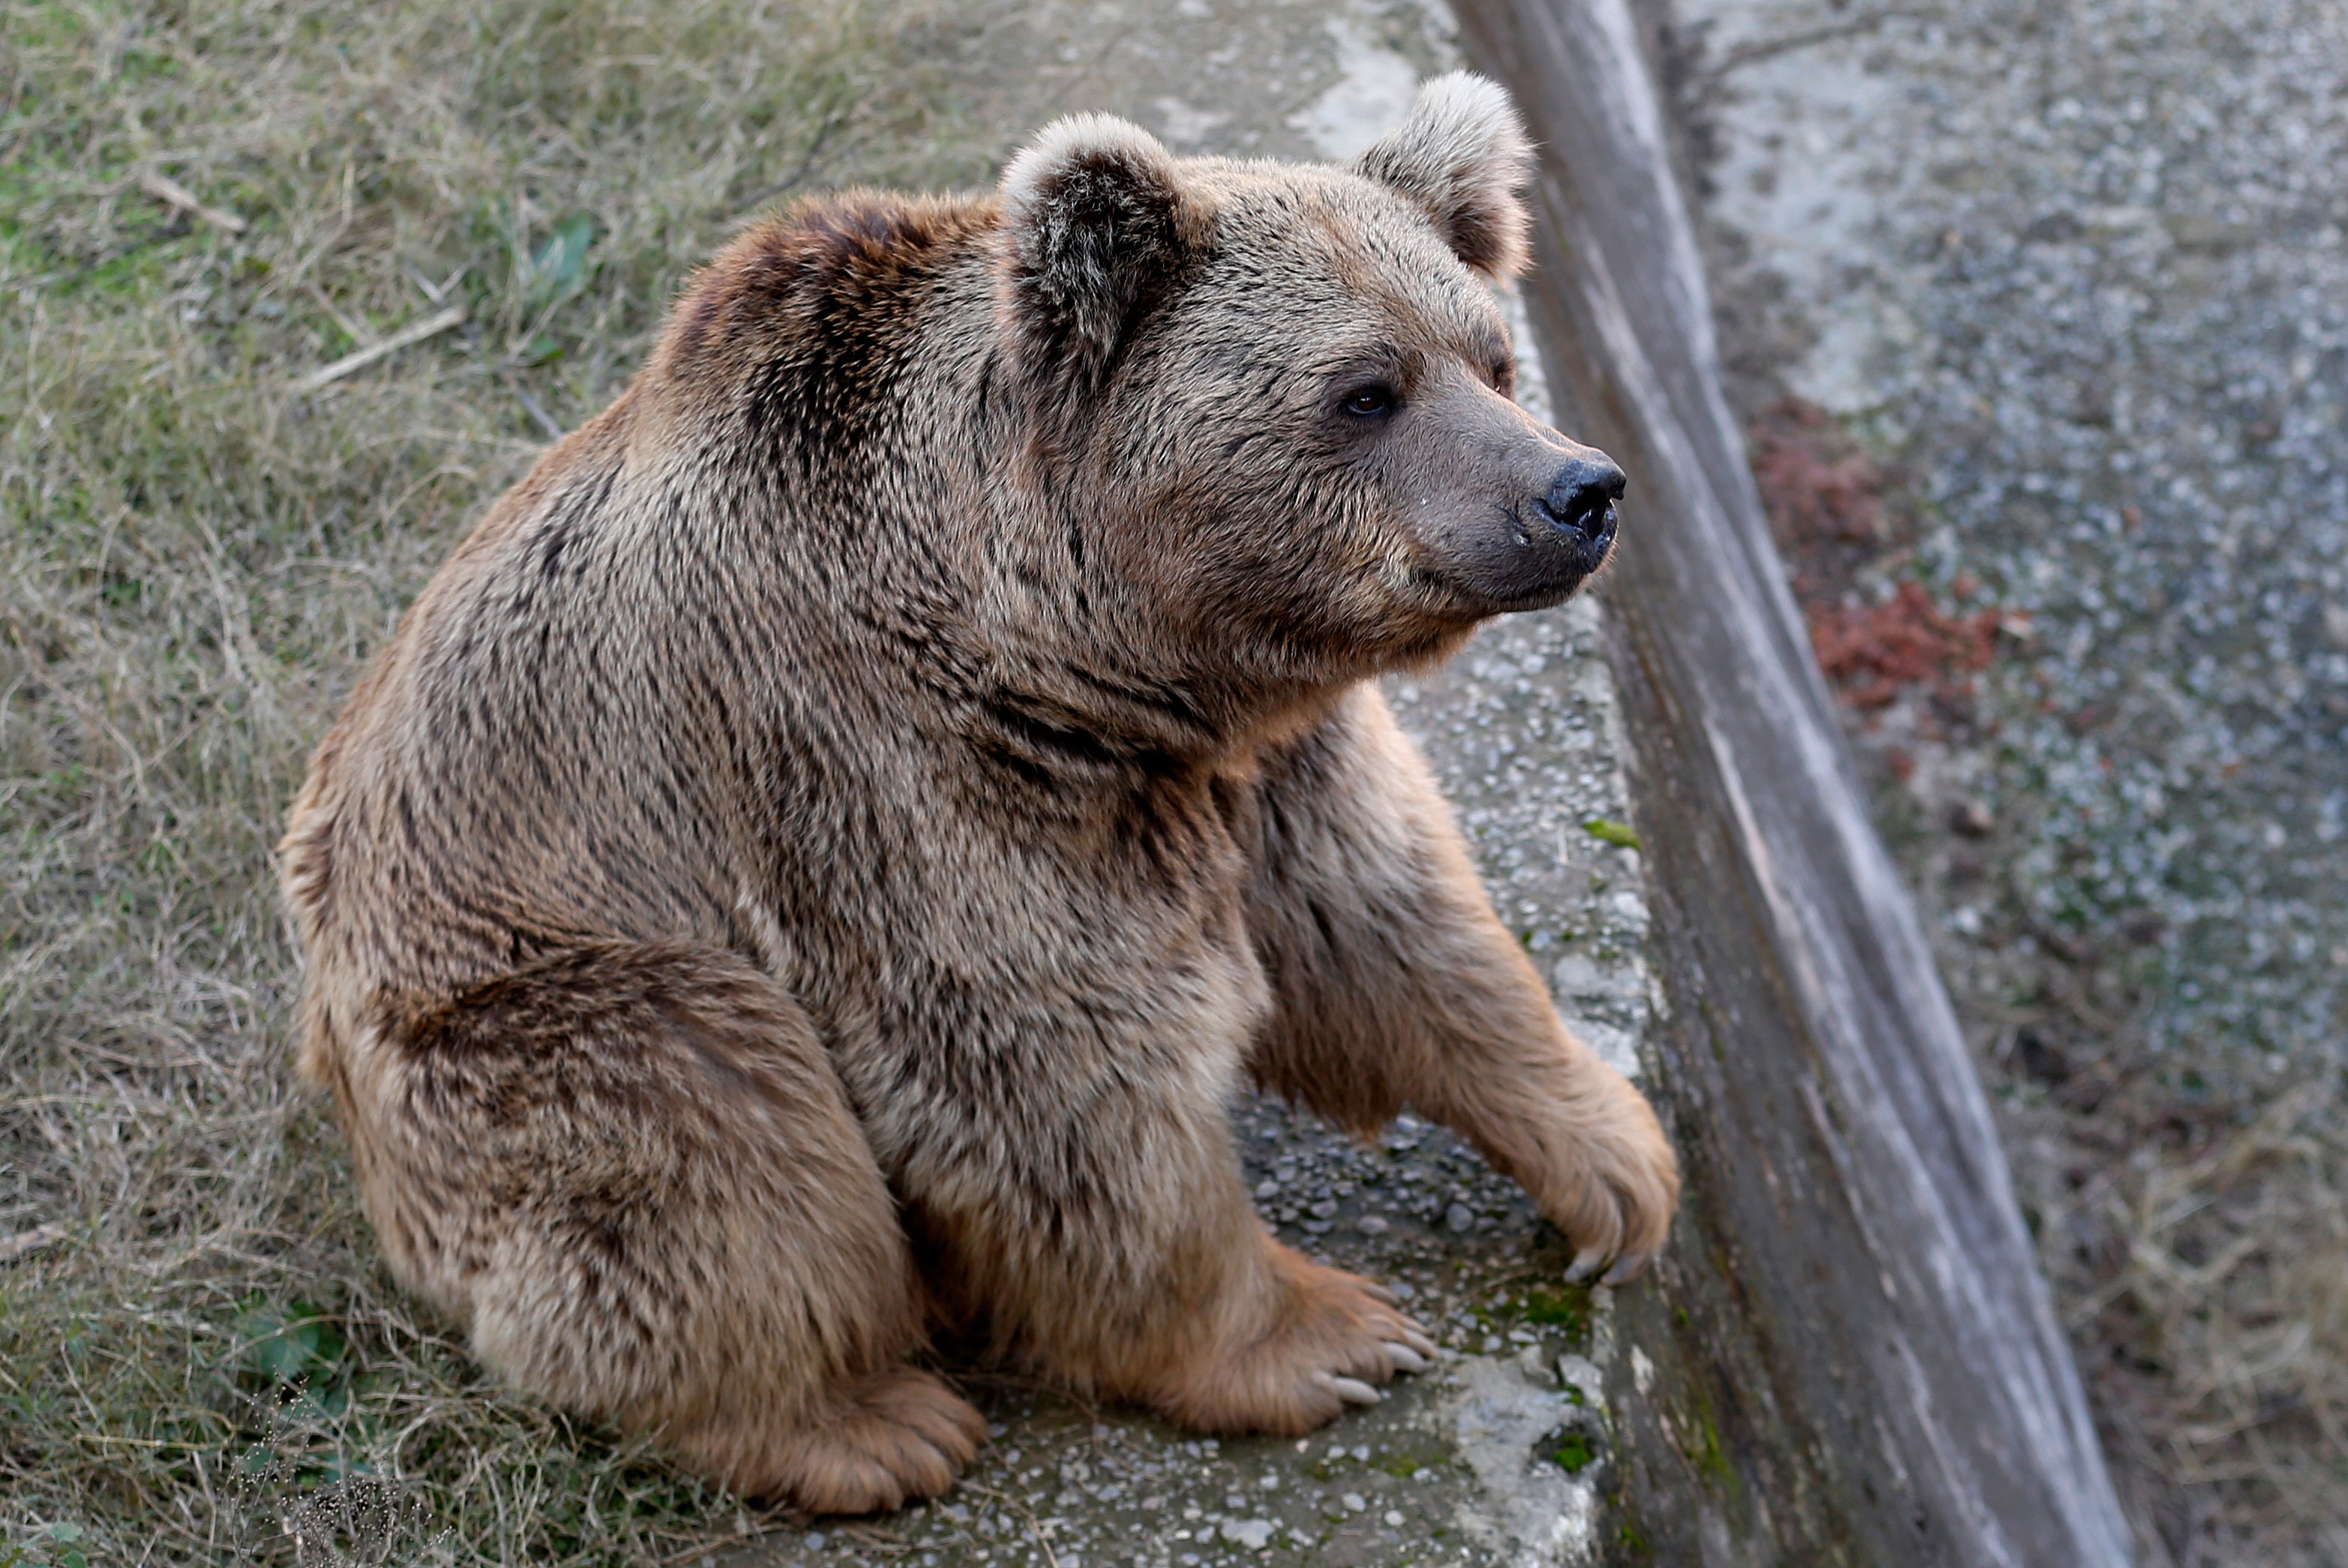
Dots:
pixel 1502 1452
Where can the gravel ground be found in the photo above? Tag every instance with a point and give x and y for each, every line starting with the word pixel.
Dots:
pixel 2068 283
pixel 2083 267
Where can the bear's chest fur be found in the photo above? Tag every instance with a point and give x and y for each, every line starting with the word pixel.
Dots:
pixel 957 955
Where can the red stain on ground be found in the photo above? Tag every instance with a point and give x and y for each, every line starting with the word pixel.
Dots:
pixel 1873 651
pixel 1831 509
pixel 1820 486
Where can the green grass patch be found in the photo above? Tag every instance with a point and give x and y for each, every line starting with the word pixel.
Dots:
pixel 1574 1453
pixel 1700 1436
pixel 1410 1451
pixel 1567 1308
pixel 1621 834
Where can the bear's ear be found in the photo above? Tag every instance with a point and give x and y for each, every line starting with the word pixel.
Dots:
pixel 1095 226
pixel 1461 157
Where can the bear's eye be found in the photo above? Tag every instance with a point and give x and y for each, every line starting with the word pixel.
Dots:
pixel 1370 400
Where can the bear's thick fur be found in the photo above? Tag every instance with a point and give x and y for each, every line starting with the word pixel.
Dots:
pixel 816 862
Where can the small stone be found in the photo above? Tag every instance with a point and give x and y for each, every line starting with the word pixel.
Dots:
pixel 1267 1188
pixel 1971 818
pixel 1458 1218
pixel 1371 1224
pixel 1255 1534
pixel 1354 1502
pixel 1325 1209
pixel 1393 1517
pixel 815 1539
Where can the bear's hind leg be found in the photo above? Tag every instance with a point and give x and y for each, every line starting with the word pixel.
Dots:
pixel 633 1174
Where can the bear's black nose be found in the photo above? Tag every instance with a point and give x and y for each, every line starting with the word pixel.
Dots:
pixel 1581 499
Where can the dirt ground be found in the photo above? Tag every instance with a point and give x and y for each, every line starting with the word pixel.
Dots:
pixel 2039 315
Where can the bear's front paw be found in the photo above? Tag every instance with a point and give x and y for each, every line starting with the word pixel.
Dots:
pixel 1620 1187
pixel 900 1435
pixel 1336 1338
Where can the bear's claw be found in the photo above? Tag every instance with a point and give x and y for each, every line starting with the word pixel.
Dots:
pixel 1629 1267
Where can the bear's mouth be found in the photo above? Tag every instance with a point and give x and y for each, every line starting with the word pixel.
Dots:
pixel 1555 555
pixel 1520 554
pixel 1527 567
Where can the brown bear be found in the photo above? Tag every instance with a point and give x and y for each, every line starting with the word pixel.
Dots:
pixel 814 866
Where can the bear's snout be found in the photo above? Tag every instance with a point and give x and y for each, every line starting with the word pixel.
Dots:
pixel 1509 515
pixel 1581 501
pixel 1540 543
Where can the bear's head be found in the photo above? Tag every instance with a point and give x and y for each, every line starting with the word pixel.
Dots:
pixel 1271 405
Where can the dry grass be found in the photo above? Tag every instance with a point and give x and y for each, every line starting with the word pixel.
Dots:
pixel 195 1342
pixel 2232 1284
pixel 2195 1225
